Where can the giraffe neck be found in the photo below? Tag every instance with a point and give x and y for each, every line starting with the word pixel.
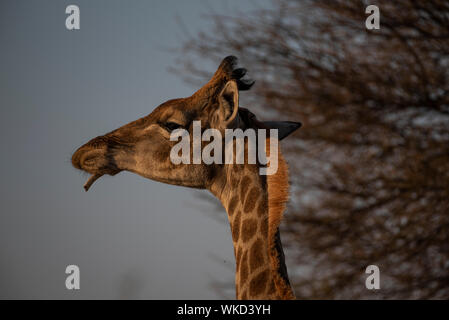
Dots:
pixel 260 267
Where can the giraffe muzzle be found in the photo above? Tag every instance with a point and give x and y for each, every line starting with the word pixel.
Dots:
pixel 95 160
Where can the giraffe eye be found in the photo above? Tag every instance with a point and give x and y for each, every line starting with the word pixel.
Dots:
pixel 170 126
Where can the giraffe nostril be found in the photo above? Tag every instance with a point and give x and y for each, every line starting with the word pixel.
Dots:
pixel 87 159
pixel 91 159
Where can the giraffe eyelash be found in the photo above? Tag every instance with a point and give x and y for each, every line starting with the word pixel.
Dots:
pixel 170 126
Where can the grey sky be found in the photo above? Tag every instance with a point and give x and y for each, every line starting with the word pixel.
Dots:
pixel 131 237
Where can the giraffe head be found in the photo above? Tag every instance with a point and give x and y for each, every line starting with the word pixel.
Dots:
pixel 143 146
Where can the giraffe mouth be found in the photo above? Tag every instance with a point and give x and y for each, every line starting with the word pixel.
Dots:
pixel 96 161
pixel 94 177
pixel 91 180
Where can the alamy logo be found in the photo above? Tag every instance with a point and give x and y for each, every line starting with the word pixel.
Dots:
pixel 213 152
pixel 373 20
pixel 72 282
pixel 373 280
pixel 72 22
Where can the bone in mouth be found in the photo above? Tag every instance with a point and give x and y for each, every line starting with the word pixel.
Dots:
pixel 91 180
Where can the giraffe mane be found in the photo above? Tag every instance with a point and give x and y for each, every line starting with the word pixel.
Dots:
pixel 278 194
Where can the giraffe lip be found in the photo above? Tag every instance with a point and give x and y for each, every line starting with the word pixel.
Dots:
pixel 95 176
pixel 91 180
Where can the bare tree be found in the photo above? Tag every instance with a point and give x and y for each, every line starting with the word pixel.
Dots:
pixel 370 167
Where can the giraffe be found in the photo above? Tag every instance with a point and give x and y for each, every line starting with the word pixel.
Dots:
pixel 254 202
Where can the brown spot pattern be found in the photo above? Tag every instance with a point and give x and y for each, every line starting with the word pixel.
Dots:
pixel 258 283
pixel 249 227
pixel 238 258
pixel 256 257
pixel 251 199
pixel 244 268
pixel 271 287
pixel 244 187
pixel 236 227
pixel 263 227
pixel 234 181
pixel 261 208
pixel 232 205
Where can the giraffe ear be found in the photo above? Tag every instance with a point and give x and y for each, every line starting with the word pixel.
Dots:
pixel 225 115
pixel 284 128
